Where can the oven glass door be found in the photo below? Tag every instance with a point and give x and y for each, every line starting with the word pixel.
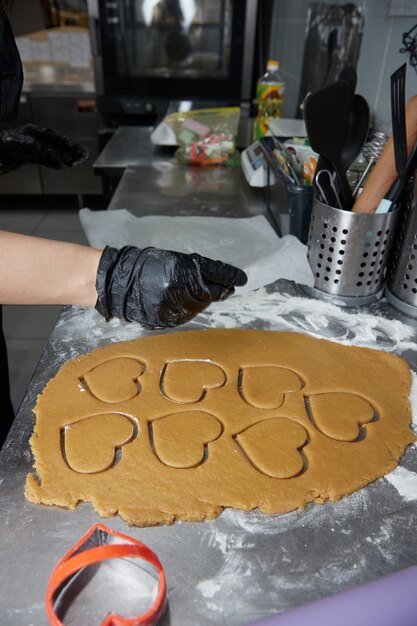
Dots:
pixel 174 49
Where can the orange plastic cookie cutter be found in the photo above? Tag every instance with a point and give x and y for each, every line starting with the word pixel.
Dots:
pixel 81 556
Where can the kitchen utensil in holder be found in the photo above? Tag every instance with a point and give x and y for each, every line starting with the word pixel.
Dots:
pixel 297 200
pixel 348 253
pixel 401 288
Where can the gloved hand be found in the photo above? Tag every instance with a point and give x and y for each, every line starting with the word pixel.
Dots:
pixel 160 288
pixel 34 144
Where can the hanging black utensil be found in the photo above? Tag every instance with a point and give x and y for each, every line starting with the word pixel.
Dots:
pixel 331 46
pixel 326 115
pixel 348 74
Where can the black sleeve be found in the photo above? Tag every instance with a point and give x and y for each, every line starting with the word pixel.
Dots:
pixel 11 72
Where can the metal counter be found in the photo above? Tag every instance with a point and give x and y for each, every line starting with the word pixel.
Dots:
pixel 241 566
pixel 130 145
pixel 152 183
pixel 165 188
pixel 57 78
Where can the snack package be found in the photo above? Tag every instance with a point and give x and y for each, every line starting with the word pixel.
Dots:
pixel 206 136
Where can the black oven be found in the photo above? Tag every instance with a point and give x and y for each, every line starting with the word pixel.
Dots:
pixel 148 53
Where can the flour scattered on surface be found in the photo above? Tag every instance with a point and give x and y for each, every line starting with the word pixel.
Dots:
pixel 405 483
pixel 234 575
pixel 283 311
pixel 209 588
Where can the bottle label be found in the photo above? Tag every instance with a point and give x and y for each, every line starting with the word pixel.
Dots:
pixel 268 91
pixel 270 97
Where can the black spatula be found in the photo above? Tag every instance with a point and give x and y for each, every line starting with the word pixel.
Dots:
pixel 399 131
pixel 326 116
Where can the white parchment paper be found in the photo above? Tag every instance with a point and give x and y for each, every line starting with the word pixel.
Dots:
pixel 249 243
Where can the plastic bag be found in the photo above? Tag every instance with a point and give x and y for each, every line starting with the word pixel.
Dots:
pixel 206 136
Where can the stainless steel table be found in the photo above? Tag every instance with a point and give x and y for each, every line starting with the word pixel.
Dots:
pixel 148 181
pixel 130 145
pixel 152 183
pixel 166 188
pixel 241 566
pixel 160 177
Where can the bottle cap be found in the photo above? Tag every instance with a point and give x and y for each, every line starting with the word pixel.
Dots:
pixel 272 64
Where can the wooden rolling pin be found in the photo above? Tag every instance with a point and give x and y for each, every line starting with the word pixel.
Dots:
pixel 384 172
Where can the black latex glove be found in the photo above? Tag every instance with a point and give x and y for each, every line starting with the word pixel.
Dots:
pixel 160 288
pixel 34 144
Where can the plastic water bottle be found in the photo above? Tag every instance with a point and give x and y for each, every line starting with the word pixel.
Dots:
pixel 270 91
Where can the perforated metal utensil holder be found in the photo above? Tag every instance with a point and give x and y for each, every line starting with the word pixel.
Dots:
pixel 401 288
pixel 348 253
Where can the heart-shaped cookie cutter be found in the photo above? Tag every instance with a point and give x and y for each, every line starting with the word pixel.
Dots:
pixel 81 556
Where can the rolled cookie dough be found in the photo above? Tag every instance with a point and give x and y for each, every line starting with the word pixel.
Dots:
pixel 181 425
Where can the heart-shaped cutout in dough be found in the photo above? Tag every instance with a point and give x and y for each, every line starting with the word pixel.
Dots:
pixel 340 415
pixel 189 381
pixel 103 383
pixel 274 447
pixel 90 446
pixel 181 439
pixel 265 386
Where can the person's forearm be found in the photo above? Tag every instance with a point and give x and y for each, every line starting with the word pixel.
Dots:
pixel 43 271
